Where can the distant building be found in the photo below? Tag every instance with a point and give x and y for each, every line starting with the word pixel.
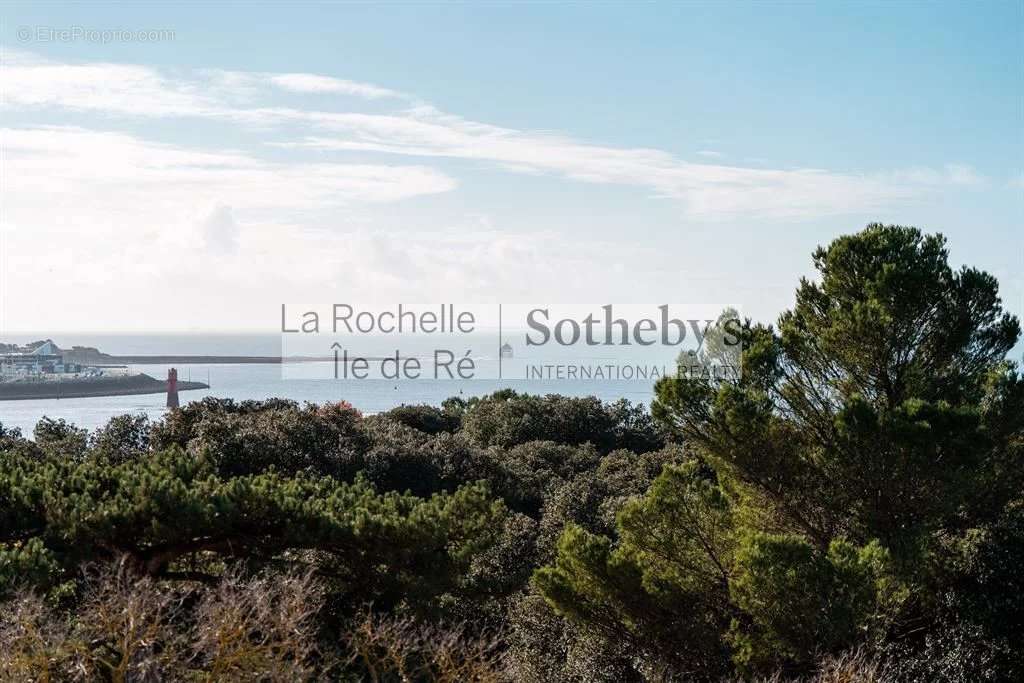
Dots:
pixel 46 348
pixel 34 359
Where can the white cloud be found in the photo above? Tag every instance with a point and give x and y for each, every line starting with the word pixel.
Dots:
pixel 961 174
pixel 112 231
pixel 313 83
pixel 221 230
pixel 30 81
pixel 706 190
pixel 218 235
pixel 120 169
pixel 950 174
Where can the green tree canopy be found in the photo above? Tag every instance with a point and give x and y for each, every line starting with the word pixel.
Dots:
pixel 877 423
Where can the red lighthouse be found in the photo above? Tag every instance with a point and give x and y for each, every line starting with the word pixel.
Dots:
pixel 172 388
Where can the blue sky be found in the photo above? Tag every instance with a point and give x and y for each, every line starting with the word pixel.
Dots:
pixel 563 152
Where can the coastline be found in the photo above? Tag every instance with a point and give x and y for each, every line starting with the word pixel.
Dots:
pixel 94 387
pixel 184 360
pixel 106 361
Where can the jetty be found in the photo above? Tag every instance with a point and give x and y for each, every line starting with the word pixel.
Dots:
pixel 126 385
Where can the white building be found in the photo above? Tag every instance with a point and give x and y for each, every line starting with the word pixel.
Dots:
pixel 45 358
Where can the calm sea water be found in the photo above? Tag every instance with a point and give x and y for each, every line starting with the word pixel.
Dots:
pixel 261 381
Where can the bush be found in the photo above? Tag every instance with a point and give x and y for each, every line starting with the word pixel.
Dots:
pixel 849 509
pixel 427 419
pixel 507 419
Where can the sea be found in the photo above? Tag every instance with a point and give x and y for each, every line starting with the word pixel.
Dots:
pixel 314 383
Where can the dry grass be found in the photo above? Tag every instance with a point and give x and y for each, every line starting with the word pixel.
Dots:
pixel 390 649
pixel 129 627
pixel 853 666
pixel 263 626
pixel 33 645
pixel 132 628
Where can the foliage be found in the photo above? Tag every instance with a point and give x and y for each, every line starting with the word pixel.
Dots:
pixel 169 510
pixel 508 419
pixel 60 438
pixel 858 484
pixel 849 508
pixel 797 602
pixel 251 436
pixel 424 418
pixel 662 589
pixel 123 438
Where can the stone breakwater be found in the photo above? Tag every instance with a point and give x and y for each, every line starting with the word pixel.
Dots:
pixel 93 386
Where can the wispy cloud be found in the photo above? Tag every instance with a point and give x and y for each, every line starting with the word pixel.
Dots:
pixel 116 88
pixel 708 189
pixel 158 228
pixel 84 165
pixel 30 81
pixel 313 83
pixel 705 189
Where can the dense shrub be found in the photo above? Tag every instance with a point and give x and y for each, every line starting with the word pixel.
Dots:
pixel 849 509
pixel 426 419
pixel 508 419
pixel 858 485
